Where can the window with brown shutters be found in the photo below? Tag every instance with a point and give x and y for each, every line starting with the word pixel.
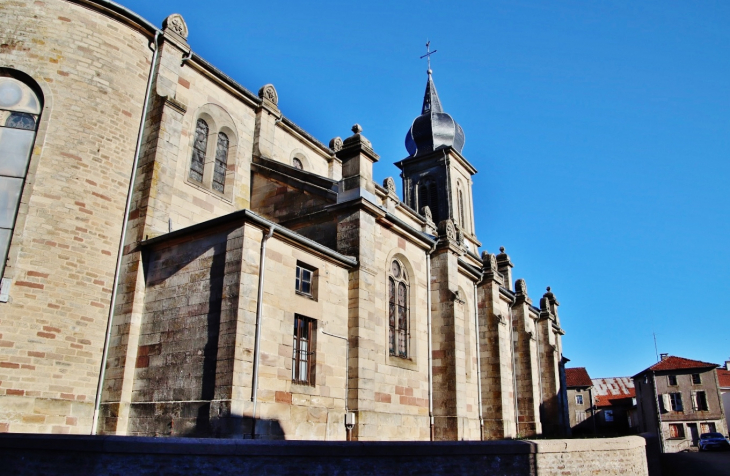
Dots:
pixel 303 350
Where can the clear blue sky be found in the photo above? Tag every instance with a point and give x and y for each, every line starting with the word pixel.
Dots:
pixel 601 132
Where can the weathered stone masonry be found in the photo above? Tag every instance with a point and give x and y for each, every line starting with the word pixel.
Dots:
pixel 180 357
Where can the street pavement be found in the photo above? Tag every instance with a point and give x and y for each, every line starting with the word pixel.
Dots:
pixel 715 463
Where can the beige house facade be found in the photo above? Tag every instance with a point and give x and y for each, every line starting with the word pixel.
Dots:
pixel 181 259
pixel 679 399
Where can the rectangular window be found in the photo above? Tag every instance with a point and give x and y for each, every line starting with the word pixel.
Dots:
pixel 672 379
pixel 302 366
pixel 304 280
pixel 676 430
pixel 579 399
pixel 580 416
pixel 707 427
pixel 676 402
pixel 696 379
pixel 608 415
pixel 699 401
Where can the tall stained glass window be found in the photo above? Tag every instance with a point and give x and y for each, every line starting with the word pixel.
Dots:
pixel 20 110
pixel 221 163
pixel 398 322
pixel 197 161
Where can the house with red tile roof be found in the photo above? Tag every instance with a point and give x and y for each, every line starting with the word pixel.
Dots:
pixel 580 401
pixel 678 399
pixel 723 379
pixel 615 402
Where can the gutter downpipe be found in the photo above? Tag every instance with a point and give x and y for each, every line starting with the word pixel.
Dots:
pixel 514 370
pixel 257 341
pixel 430 350
pixel 660 432
pixel 120 252
pixel 479 359
pixel 348 429
pixel 539 371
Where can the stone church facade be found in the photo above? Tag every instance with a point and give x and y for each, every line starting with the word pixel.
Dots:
pixel 182 259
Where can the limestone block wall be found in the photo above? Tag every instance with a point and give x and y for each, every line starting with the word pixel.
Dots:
pixel 288 144
pixel 496 354
pixel 193 363
pixel 388 393
pixel 526 369
pixel 283 199
pixel 550 411
pixel 92 70
pixel 302 412
pixel 34 454
pixel 609 456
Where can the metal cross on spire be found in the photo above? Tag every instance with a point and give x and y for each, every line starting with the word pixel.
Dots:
pixel 428 55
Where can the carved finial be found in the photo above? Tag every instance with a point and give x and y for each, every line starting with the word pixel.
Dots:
pixel 176 24
pixel 521 286
pixel 356 129
pixel 548 289
pixel 501 249
pixel 389 184
pixel 268 92
pixel 485 256
pixel 426 212
pixel 446 228
pixel 336 144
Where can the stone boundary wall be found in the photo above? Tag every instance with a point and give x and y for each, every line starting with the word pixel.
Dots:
pixel 27 454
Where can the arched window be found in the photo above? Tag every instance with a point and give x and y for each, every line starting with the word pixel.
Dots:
pixel 20 110
pixel 428 196
pixel 197 161
pixel 221 163
pixel 399 333
pixel 297 163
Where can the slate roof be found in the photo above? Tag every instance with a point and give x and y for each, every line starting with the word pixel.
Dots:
pixel 613 391
pixel 577 377
pixel 677 363
pixel 723 376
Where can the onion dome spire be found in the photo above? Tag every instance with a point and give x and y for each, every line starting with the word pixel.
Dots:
pixel 433 129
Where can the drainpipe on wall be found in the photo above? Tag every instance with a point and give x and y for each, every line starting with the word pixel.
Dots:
pixel 430 350
pixel 257 341
pixel 539 370
pixel 120 252
pixel 349 419
pixel 514 371
pixel 479 360
pixel 660 432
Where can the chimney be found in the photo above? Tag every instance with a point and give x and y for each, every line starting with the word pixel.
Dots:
pixel 663 356
pixel 727 365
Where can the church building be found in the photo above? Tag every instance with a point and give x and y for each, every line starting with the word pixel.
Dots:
pixel 181 259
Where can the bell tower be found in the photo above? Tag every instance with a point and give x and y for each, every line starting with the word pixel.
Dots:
pixel 435 173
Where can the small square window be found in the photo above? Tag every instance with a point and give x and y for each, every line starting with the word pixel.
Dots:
pixel 608 415
pixel 672 379
pixel 676 431
pixel 305 280
pixel 696 379
pixel 579 399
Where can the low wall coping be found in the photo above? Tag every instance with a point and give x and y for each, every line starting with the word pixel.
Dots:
pixel 235 447
pixel 589 444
